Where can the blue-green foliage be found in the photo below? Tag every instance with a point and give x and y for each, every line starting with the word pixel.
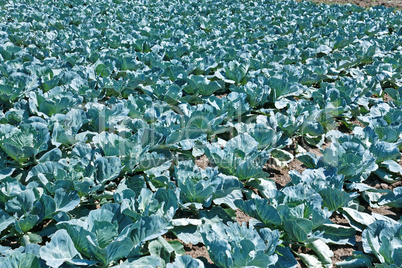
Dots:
pixel 127 124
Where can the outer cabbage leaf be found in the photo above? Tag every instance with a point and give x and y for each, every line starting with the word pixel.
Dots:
pixel 231 245
pixel 99 237
pixel 239 158
pixel 25 142
pixel 393 199
pixel 261 210
pixel 358 259
pixel 18 259
pixel 184 262
pixel 163 203
pixel 61 250
pixel 384 240
pixel 350 156
pixel 196 185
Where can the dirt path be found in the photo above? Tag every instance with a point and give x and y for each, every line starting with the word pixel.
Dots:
pixel 365 3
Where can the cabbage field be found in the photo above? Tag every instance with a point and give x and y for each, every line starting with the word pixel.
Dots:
pixel 199 133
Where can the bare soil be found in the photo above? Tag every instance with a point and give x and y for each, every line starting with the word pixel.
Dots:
pixel 221 96
pixel 387 98
pixel 386 211
pixel 197 251
pixel 339 219
pixel 377 183
pixel 242 217
pixel 365 3
pixel 200 251
pixel 278 175
pixel 342 252
pixel 202 162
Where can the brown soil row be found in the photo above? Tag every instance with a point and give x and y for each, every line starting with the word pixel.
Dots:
pixel 365 3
